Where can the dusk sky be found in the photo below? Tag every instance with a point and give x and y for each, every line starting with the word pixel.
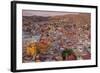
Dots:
pixel 44 13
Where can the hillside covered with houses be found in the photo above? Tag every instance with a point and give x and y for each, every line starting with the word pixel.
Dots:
pixel 56 38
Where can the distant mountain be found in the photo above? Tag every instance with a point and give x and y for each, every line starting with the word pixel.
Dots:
pixel 71 18
pixel 81 18
pixel 35 18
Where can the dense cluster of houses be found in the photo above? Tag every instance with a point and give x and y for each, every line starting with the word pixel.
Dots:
pixel 58 38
